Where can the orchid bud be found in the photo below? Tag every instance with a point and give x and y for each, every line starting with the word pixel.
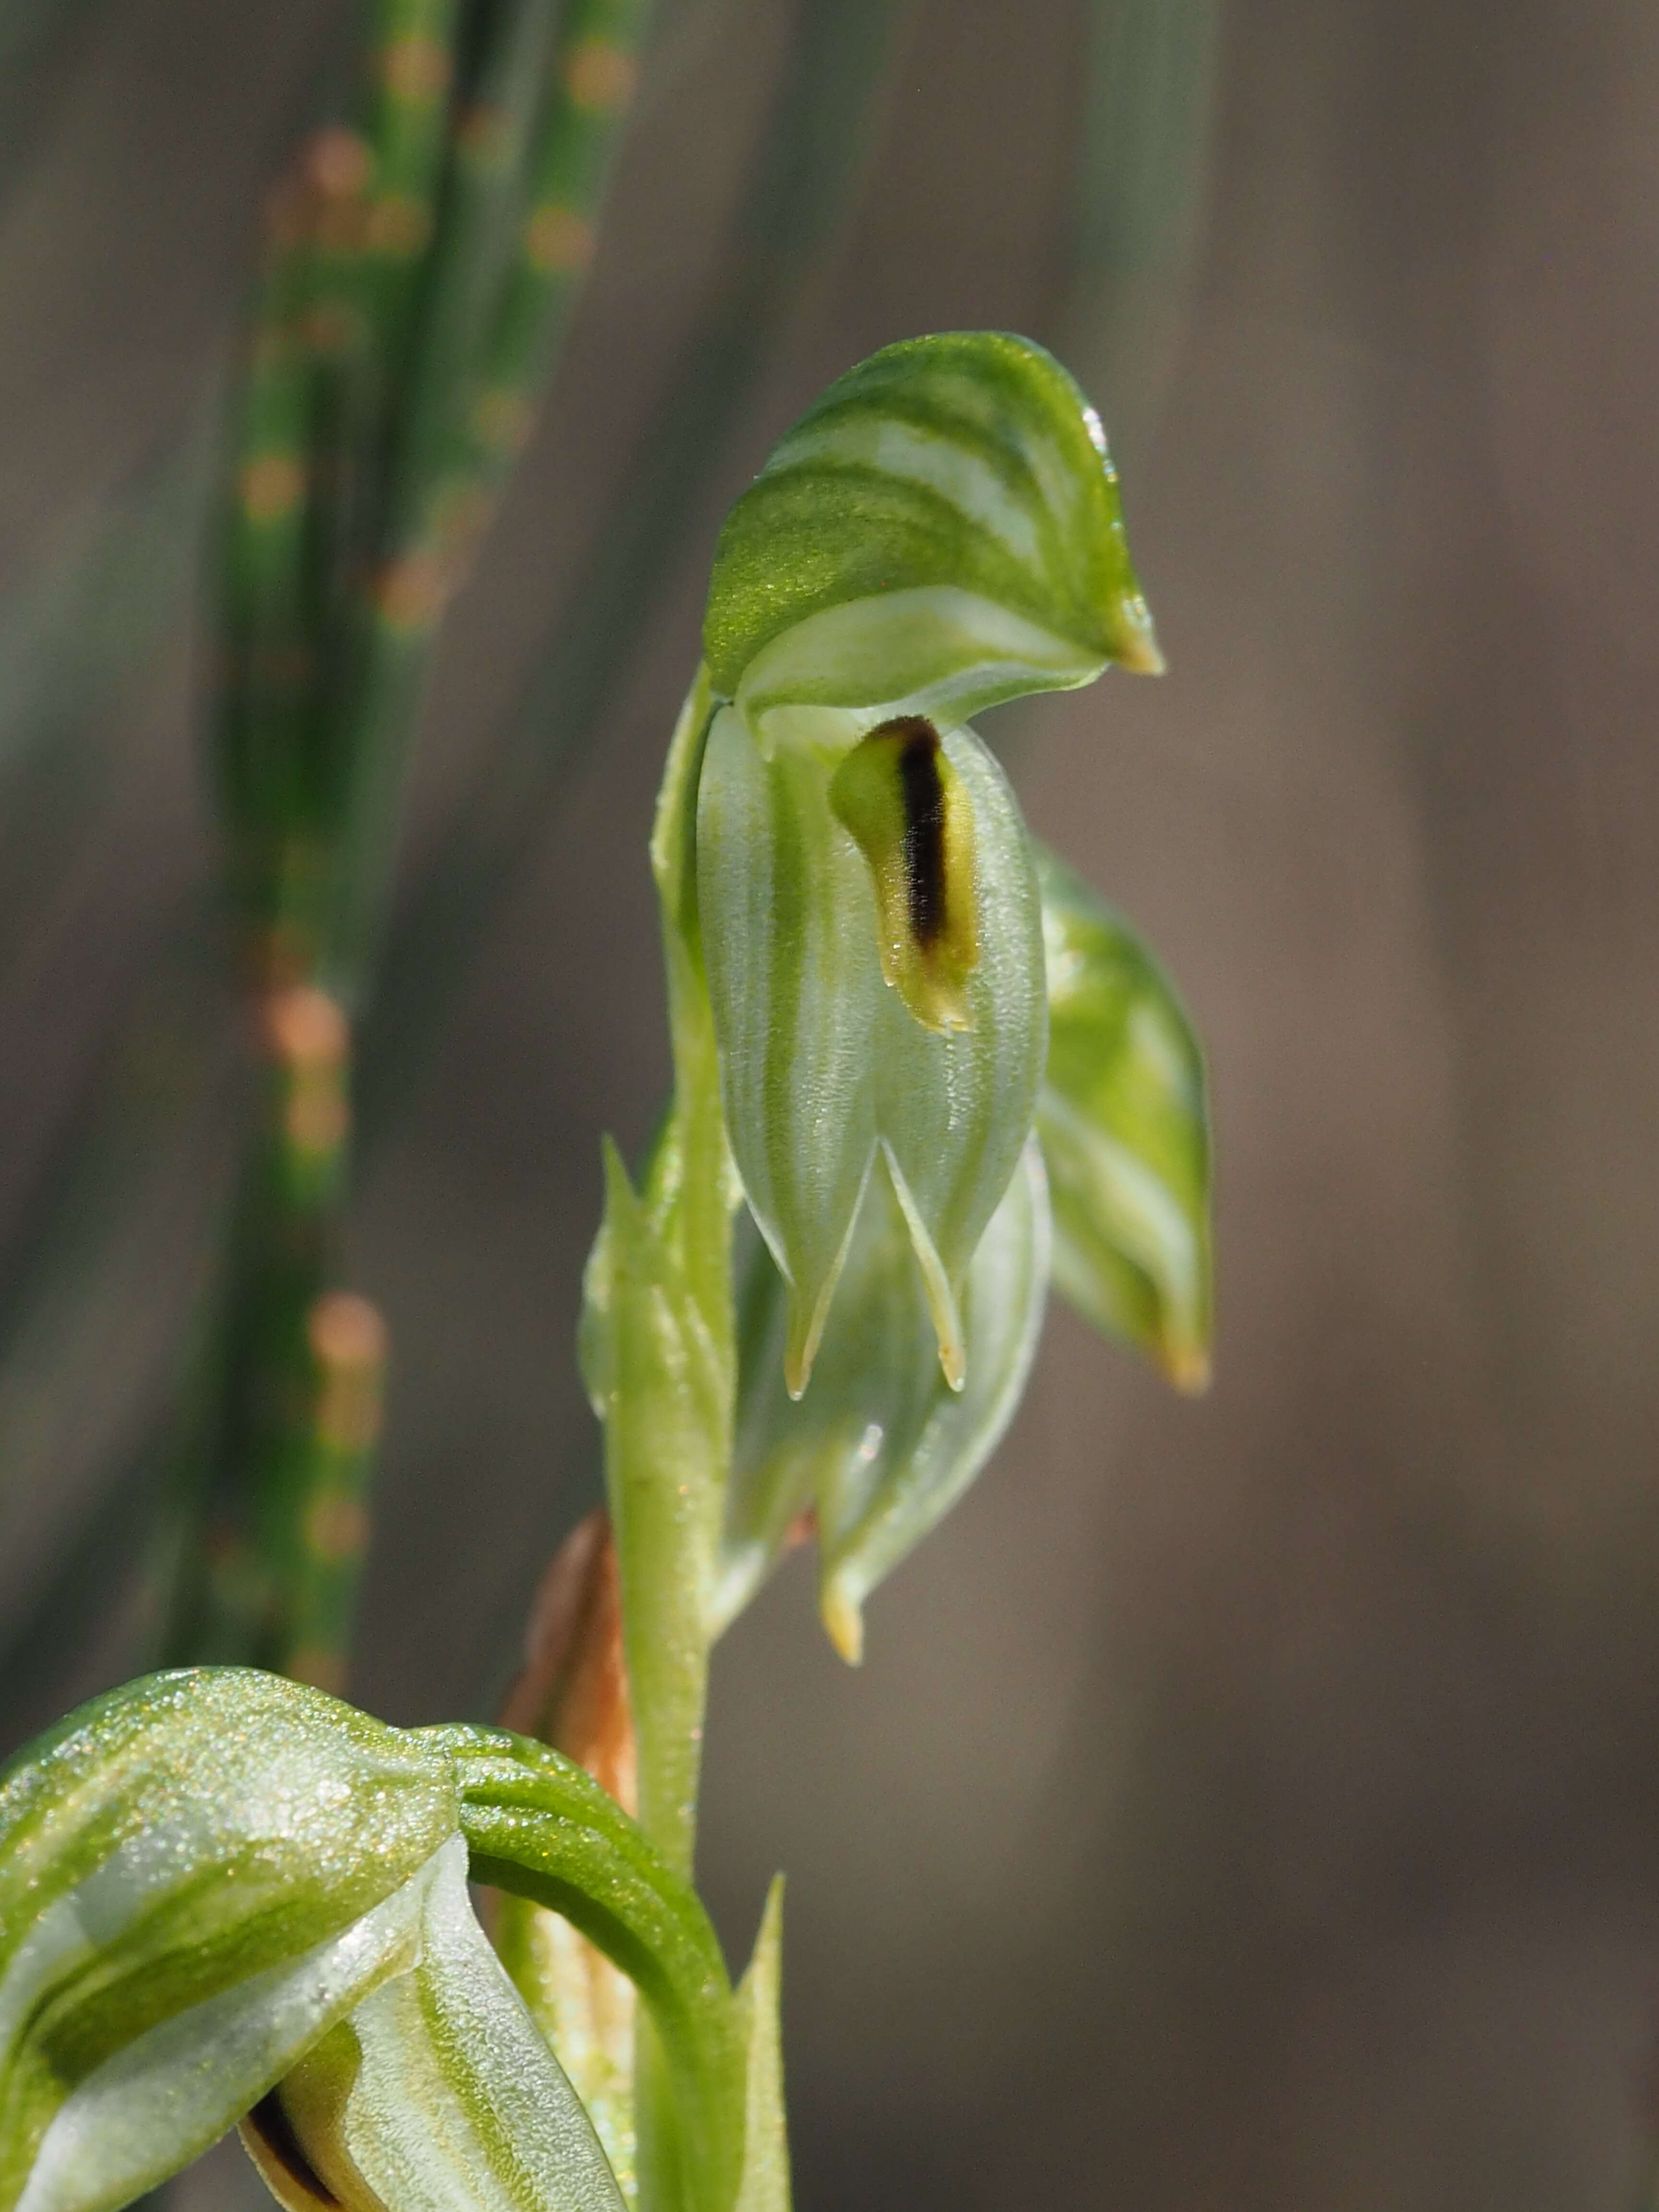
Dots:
pixel 880 1449
pixel 1125 1128
pixel 941 531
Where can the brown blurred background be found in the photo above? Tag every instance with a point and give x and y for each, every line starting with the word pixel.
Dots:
pixel 1247 1804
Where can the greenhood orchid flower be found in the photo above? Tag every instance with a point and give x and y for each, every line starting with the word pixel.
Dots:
pixel 879 1448
pixel 940 532
pixel 225 1897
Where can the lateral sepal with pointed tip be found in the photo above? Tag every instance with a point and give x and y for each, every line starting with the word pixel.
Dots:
pixel 879 1449
pixel 1124 1120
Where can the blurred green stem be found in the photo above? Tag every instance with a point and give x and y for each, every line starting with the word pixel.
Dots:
pixel 421 275
pixel 517 235
pixel 241 1577
pixel 690 1192
pixel 819 133
pixel 1143 165
pixel 327 1533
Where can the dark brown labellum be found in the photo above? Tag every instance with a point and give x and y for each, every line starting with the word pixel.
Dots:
pixel 923 792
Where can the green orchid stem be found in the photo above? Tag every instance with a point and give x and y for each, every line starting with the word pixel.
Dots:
pixel 669 1449
pixel 659 1351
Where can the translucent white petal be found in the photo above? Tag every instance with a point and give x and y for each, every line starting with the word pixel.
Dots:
pixel 788 924
pixel 160 2101
pixel 930 650
pixel 954 1111
pixel 875 1507
pixel 441 2094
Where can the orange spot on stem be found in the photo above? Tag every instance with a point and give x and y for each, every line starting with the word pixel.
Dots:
pixel 558 241
pixel 412 591
pixel 600 76
pixel 348 1340
pixel 416 69
pixel 272 487
pixel 398 225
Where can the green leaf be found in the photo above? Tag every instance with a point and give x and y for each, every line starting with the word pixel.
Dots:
pixel 1124 1122
pixel 766 2137
pixel 438 2095
pixel 880 1449
pixel 822 1064
pixel 199 1874
pixel 939 532
pixel 539 1827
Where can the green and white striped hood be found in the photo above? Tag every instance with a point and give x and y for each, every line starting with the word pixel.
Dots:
pixel 940 531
